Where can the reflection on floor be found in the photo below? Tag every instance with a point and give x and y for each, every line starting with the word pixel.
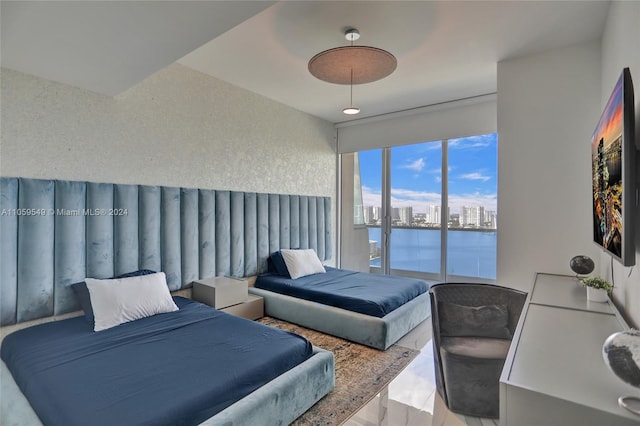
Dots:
pixel 411 398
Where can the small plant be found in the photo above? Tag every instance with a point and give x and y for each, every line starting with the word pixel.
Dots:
pixel 597 282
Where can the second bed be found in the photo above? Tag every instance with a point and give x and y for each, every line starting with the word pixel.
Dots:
pixel 371 309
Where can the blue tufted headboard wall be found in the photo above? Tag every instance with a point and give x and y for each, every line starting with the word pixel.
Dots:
pixel 54 233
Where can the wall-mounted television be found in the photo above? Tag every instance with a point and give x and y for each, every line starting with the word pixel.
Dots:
pixel 613 165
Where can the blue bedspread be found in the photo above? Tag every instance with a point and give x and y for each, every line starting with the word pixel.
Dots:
pixel 369 294
pixel 178 368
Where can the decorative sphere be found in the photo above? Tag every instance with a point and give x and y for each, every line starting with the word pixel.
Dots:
pixel 621 353
pixel 581 264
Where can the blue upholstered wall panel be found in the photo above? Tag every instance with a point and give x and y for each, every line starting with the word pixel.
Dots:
pixel 263 230
pixel 149 206
pixel 328 248
pixel 285 222
pixel 237 234
pixel 274 222
pixel 304 222
pixel 170 236
pixel 8 250
pixel 223 232
pixel 99 230
pixel 80 229
pixel 189 234
pixel 207 232
pixel 125 231
pixel 320 228
pixel 313 223
pixel 35 249
pixel 70 249
pixel 294 221
pixel 250 234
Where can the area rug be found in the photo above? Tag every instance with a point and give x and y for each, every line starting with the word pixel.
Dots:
pixel 361 373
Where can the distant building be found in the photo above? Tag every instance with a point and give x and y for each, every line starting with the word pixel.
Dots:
pixel 472 216
pixel 433 214
pixel 491 219
pixel 454 220
pixel 371 215
pixel 405 215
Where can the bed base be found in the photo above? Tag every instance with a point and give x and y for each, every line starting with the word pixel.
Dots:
pixel 379 333
pixel 279 402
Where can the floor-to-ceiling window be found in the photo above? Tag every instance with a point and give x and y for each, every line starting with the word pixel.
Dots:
pixel 431 208
pixel 473 205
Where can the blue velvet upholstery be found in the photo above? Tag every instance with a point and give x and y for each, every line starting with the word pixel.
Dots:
pixel 189 234
pixel 8 250
pixel 170 236
pixel 99 230
pixel 70 250
pixel 379 333
pixel 207 234
pixel 102 230
pixel 35 250
pixel 250 234
pixel 149 227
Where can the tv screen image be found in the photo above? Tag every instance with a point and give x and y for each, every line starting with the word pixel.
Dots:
pixel 613 165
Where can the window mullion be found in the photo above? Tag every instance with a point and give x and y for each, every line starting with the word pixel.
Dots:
pixel 444 210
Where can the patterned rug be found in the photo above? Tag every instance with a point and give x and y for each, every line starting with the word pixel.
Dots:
pixel 361 373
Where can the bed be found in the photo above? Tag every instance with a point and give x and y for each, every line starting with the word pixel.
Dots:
pixel 371 309
pixel 186 367
pixel 58 232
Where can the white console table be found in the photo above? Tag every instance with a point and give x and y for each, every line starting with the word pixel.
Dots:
pixel 554 373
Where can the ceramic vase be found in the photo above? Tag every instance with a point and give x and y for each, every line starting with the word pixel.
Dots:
pixel 596 295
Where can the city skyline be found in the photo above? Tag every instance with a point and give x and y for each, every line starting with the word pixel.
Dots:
pixel 416 174
pixel 470 216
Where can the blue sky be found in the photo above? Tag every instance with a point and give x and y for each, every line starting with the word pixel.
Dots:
pixel 416 174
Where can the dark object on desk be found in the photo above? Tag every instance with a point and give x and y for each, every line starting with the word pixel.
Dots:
pixel 472 329
pixel 581 265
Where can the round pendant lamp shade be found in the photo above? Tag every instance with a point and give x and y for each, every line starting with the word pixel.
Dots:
pixel 352 65
pixel 369 64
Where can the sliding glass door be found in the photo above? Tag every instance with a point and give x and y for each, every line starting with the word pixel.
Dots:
pixel 415 202
pixel 431 208
pixel 369 164
pixel 472 193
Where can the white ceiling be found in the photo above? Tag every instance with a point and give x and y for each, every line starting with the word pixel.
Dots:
pixel 109 46
pixel 446 50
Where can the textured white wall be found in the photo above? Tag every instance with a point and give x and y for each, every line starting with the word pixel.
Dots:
pixel 177 128
pixel 620 50
pixel 548 105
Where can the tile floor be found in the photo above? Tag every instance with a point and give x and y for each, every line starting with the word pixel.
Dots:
pixel 411 398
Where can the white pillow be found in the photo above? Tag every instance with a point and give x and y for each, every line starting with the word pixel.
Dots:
pixel 121 300
pixel 301 263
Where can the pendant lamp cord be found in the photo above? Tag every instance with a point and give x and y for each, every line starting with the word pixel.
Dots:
pixel 351 86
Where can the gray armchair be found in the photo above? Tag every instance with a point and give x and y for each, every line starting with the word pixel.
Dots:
pixel 472 329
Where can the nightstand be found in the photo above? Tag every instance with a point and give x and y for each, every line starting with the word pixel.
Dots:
pixel 252 309
pixel 230 295
pixel 220 292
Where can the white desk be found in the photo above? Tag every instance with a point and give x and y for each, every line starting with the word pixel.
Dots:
pixel 554 373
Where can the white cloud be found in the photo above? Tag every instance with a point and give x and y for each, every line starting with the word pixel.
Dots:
pixel 371 197
pixel 475 176
pixel 409 194
pixel 481 141
pixel 488 201
pixel 417 165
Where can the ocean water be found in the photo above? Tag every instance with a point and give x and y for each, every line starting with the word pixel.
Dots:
pixel 469 253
